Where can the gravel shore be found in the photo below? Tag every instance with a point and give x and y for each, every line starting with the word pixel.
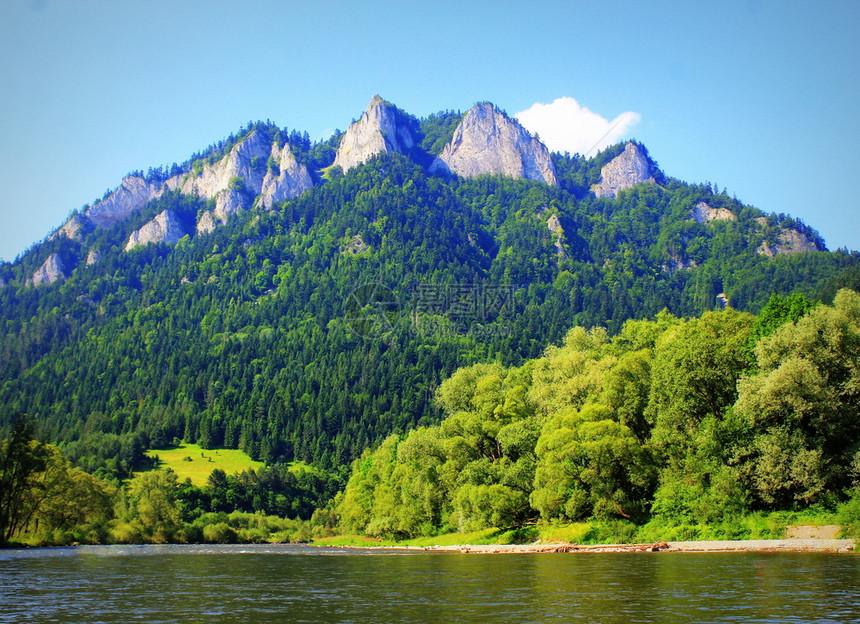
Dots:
pixel 782 545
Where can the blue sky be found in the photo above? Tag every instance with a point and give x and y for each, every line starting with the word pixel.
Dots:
pixel 756 96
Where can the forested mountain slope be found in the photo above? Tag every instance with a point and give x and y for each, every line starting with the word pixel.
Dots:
pixel 315 324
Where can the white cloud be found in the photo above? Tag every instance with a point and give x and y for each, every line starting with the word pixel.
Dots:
pixel 565 126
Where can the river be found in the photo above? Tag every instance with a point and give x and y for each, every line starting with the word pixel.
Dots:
pixel 288 583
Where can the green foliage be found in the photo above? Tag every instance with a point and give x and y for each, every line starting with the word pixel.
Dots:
pixel 43 498
pixel 242 339
pixel 849 516
pixel 551 438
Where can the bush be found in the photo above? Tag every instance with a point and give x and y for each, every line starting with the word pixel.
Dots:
pixel 219 533
pixel 848 516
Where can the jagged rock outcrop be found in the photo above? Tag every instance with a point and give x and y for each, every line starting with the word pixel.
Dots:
pixel 554 226
pixel 133 193
pixel 74 228
pixel 677 263
pixel 256 166
pixel 51 271
pixel 703 213
pixel 287 179
pixel 227 203
pixel 164 228
pixel 789 241
pixel 356 246
pixel 247 161
pixel 628 169
pixel 377 132
pixel 93 256
pixel 487 141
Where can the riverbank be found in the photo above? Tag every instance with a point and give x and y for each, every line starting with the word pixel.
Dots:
pixel 780 545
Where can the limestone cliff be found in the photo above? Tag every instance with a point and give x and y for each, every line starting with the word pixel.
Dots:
pixel 628 169
pixel 164 228
pixel 487 141
pixel 256 164
pixel 377 132
pixel 132 194
pixel 789 241
pixel 287 179
pixel 704 213
pixel 93 256
pixel 51 271
pixel 555 227
pixel 74 228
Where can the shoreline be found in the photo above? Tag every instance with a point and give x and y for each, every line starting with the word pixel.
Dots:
pixel 775 545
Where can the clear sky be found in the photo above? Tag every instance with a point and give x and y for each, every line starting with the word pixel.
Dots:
pixel 756 96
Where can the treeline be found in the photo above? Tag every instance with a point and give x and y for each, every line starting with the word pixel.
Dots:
pixel 676 422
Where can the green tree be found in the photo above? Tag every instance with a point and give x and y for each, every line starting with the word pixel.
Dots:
pixel 802 405
pixel 589 465
pixel 22 459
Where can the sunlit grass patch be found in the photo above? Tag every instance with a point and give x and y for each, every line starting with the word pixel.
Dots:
pixel 190 461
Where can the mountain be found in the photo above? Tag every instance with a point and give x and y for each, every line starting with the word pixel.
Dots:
pixel 304 300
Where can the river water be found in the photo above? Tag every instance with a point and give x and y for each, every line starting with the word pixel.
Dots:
pixel 288 583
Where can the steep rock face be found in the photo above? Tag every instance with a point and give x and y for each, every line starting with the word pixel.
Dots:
pixel 245 166
pixel 555 227
pixel 74 228
pixel 790 241
pixel 628 169
pixel 247 160
pixel 131 195
pixel 289 179
pixel 377 132
pixel 51 270
pixel 487 141
pixel 93 256
pixel 227 202
pixel 164 228
pixel 703 213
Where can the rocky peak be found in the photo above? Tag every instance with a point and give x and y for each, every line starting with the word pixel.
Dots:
pixel 487 141
pixel 164 228
pixel 51 270
pixel 377 132
pixel 628 169
pixel 704 212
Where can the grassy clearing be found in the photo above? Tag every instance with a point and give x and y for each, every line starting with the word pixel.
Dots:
pixel 195 463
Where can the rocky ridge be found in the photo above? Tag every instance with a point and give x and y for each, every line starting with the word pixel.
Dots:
pixel 377 132
pixel 487 141
pixel 254 167
pixel 631 167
